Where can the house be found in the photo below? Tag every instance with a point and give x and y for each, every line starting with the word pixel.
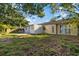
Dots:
pixel 34 29
pixel 64 27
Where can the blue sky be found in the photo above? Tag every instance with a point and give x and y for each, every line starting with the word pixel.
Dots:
pixel 36 20
pixel 48 16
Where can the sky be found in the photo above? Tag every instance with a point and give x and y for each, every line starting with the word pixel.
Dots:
pixel 37 20
pixel 34 19
pixel 48 16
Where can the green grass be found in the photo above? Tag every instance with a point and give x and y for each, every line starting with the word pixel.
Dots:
pixel 72 47
pixel 36 45
pixel 32 45
pixel 13 35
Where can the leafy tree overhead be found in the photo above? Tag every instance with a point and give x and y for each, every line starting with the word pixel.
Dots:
pixel 69 7
pixel 10 16
pixel 38 8
pixel 32 8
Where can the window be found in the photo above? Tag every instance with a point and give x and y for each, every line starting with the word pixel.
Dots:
pixel 68 30
pixel 65 29
pixel 62 29
pixel 52 28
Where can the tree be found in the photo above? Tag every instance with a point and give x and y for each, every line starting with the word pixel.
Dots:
pixel 38 8
pixel 10 16
pixel 32 8
pixel 69 7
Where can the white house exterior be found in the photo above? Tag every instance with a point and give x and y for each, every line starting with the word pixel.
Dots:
pixel 64 27
pixel 34 29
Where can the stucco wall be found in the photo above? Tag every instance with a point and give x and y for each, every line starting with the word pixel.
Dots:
pixel 48 29
pixel 27 29
pixel 34 29
pixel 58 29
pixel 73 29
pixel 38 29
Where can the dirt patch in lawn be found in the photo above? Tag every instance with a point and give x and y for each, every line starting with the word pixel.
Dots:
pixel 50 45
pixel 6 40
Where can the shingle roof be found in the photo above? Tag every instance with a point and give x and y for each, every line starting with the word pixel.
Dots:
pixel 57 22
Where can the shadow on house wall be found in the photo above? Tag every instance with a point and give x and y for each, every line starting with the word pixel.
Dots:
pixel 39 30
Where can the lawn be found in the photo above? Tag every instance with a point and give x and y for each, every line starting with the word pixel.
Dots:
pixel 38 45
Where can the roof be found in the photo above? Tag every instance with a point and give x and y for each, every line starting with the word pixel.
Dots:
pixel 57 22
pixel 46 23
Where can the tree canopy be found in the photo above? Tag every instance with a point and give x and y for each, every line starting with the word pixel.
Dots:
pixel 10 17
pixel 10 14
pixel 8 11
pixel 69 7
pixel 32 8
pixel 38 8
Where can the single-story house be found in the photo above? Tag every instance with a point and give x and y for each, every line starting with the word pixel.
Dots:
pixel 65 27
pixel 33 29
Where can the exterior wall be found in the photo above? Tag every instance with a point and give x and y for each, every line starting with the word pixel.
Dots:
pixel 64 29
pixel 58 29
pixel 78 29
pixel 34 29
pixel 48 29
pixel 31 29
pixel 73 29
pixel 37 29
pixel 27 29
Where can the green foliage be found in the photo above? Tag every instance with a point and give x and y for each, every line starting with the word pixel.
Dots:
pixel 10 17
pixel 66 7
pixel 38 45
pixel 73 48
pixel 24 46
pixel 32 8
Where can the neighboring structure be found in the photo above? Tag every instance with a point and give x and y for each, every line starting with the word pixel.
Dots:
pixel 34 29
pixel 65 27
